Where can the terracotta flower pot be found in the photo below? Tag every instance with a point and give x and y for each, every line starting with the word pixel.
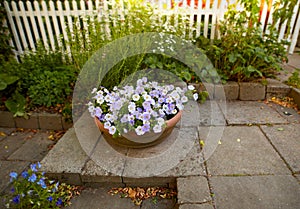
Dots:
pixel 132 140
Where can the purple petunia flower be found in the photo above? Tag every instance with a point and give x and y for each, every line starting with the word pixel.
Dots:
pixel 146 128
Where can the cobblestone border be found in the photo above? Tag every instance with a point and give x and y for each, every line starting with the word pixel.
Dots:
pixel 44 121
pixel 233 91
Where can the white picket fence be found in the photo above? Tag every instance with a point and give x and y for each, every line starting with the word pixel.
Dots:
pixel 35 21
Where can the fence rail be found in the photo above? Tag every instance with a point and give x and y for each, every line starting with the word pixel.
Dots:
pixel 35 21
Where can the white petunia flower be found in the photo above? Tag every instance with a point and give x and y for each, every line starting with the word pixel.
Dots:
pixel 135 97
pixel 112 130
pixel 191 87
pixel 157 129
pixel 195 96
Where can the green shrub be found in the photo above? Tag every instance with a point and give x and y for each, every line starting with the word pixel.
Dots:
pixel 45 79
pixel 5 48
pixel 294 79
pixel 243 52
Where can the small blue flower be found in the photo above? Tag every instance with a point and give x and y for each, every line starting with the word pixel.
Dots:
pixel 50 198
pixel 59 202
pixel 32 178
pixel 12 190
pixel 25 174
pixel 33 167
pixel 13 176
pixel 16 199
pixel 39 165
pixel 41 182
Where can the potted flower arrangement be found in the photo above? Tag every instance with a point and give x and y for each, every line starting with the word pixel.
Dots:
pixel 138 115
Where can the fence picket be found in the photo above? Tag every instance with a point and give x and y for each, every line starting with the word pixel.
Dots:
pixel 206 18
pixel 48 25
pixel 41 25
pixel 26 24
pixel 60 13
pixel 35 21
pixel 214 19
pixel 13 28
pixel 295 35
pixel 19 26
pixel 55 23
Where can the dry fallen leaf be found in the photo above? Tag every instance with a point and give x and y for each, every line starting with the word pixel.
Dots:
pixel 2 133
pixel 138 194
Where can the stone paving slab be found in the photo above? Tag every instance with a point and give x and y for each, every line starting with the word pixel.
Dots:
pixel 33 149
pixel 193 189
pixel 263 192
pixel 139 164
pixel 197 206
pixel 100 199
pixel 8 166
pixel 160 204
pixel 4 132
pixel 211 114
pixel 66 159
pixel 286 139
pixel 245 151
pixel 298 177
pixel 250 112
pixel 289 114
pixel 11 143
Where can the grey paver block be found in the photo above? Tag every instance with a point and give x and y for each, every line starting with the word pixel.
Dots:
pixel 250 112
pixel 245 151
pixel 66 157
pixel 66 124
pixel 193 189
pixel 196 206
pixel 8 166
pixel 7 119
pixel 252 91
pixel 286 139
pixel 209 87
pixel 150 182
pixel 31 122
pixel 11 143
pixel 277 88
pixel 211 114
pixel 100 199
pixel 160 204
pixel 295 94
pixel 50 121
pixel 228 91
pixel 34 149
pixel 256 192
pixel 93 173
